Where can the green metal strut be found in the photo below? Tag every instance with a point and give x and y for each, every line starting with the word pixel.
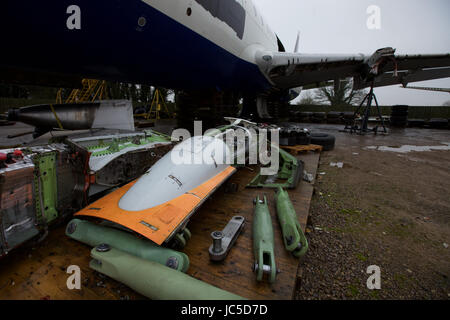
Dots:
pixel 293 236
pixel 263 241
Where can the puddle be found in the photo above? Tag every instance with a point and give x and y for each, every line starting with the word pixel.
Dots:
pixel 408 148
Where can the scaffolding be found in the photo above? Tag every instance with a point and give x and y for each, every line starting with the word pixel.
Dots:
pixel 91 90
pixel 157 107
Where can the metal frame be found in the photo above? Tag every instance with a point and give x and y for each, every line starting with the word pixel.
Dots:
pixel 363 129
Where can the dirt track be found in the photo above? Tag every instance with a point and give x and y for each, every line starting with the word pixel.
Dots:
pixel 382 208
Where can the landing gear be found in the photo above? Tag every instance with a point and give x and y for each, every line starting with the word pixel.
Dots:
pixel 209 106
pixel 265 108
pixel 364 111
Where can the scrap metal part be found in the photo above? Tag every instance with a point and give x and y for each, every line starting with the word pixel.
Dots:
pixel 43 185
pixel 94 235
pixel 154 280
pixel 112 114
pixel 263 241
pixel 290 172
pixel 224 240
pixel 120 157
pixel 293 237
pixel 39 186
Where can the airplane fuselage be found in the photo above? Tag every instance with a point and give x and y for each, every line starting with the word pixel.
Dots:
pixel 183 44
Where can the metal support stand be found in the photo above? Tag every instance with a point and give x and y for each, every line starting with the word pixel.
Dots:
pixel 365 108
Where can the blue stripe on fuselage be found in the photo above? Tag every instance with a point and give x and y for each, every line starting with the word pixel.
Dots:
pixel 111 45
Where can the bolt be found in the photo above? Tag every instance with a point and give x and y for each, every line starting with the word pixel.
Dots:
pixel 71 227
pixel 172 262
pixel 217 241
pixel 103 247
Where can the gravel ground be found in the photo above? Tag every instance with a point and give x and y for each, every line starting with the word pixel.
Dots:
pixel 387 209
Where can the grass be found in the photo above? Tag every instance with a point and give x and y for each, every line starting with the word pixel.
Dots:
pixel 361 257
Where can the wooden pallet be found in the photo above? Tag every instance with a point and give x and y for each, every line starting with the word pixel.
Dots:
pixel 295 150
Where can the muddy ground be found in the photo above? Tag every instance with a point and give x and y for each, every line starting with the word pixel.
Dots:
pixel 387 209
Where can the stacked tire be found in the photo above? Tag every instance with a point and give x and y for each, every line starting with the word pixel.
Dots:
pixel 303 137
pixel 292 136
pixel 399 116
pixel 348 117
pixel 438 123
pixel 334 117
pixel 416 123
pixel 319 117
pixel 327 141
pixel 305 116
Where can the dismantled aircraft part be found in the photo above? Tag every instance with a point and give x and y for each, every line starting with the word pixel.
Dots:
pixel 224 240
pixel 290 173
pixel 159 223
pixel 94 235
pixel 17 217
pixel 154 280
pixel 190 164
pixel 263 241
pixel 179 241
pixel 325 140
pixel 46 186
pixel 112 114
pixel 123 157
pixel 182 187
pixel 39 186
pixel 293 236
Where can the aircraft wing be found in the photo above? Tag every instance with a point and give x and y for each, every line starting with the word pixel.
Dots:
pixel 383 68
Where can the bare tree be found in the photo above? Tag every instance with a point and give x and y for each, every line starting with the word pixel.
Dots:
pixel 341 95
pixel 307 99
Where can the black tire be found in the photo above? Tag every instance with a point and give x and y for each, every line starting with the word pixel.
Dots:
pixel 303 138
pixel 399 119
pixel 399 114
pixel 327 141
pixel 348 115
pixel 333 115
pixel 400 108
pixel 416 123
pixel 320 115
pixel 438 123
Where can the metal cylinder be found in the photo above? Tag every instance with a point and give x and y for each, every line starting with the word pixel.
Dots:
pixel 217 237
pixel 153 280
pixel 72 116
pixel 95 235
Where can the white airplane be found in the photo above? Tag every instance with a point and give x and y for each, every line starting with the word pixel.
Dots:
pixel 222 45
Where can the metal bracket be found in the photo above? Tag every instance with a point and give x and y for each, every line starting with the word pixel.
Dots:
pixel 290 172
pixel 224 240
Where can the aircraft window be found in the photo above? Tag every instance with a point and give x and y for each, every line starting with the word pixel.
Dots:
pixel 229 11
pixel 189 12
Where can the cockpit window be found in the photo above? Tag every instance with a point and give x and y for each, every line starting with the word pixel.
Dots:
pixel 229 11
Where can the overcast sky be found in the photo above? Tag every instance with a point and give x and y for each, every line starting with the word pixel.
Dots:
pixel 340 26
